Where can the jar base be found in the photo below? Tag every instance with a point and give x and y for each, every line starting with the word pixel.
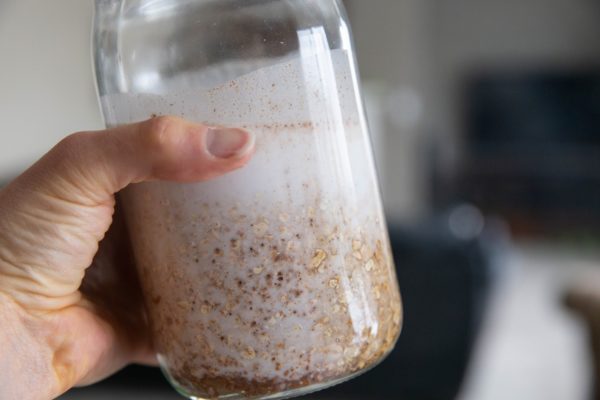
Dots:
pixel 288 394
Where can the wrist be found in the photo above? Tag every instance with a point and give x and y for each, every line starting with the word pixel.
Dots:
pixel 26 360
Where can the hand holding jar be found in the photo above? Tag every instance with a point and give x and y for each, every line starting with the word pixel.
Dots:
pixel 71 311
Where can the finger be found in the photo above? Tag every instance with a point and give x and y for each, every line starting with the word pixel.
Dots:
pixel 53 216
pixel 163 148
pixel 111 284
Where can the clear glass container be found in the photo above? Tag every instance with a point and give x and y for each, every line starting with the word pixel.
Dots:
pixel 277 279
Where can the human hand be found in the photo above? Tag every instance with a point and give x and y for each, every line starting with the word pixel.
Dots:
pixel 70 305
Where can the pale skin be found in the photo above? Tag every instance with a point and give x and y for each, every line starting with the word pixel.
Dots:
pixel 71 312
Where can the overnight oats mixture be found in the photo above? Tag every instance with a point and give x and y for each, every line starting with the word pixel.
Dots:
pixel 279 275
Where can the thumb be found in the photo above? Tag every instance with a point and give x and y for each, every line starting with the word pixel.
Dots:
pixel 163 148
pixel 53 216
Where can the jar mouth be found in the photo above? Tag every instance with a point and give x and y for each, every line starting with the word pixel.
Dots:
pixel 161 39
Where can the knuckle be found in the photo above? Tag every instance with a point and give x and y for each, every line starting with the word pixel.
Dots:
pixel 72 144
pixel 159 132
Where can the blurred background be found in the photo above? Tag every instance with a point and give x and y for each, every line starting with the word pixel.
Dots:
pixel 485 116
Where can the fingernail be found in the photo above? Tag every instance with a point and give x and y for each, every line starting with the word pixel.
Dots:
pixel 228 142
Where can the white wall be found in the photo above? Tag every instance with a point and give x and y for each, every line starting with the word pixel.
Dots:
pixel 46 84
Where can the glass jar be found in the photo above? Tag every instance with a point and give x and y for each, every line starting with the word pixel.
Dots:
pixel 277 279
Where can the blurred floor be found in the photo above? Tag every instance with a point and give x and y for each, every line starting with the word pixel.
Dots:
pixel 532 347
pixel 106 394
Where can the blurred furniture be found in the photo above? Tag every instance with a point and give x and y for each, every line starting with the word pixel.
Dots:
pixel 444 282
pixel 584 299
pixel 531 149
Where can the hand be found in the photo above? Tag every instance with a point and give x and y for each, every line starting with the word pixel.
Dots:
pixel 70 305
